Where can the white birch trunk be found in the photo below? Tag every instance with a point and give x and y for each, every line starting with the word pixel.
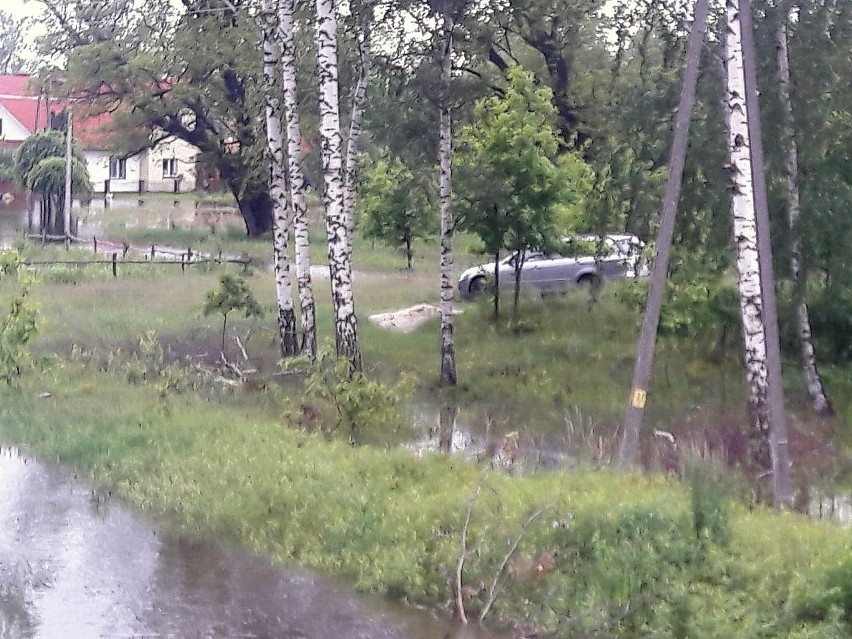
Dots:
pixel 819 399
pixel 448 347
pixel 356 120
pixel 339 264
pixel 297 182
pixel 277 182
pixel 745 236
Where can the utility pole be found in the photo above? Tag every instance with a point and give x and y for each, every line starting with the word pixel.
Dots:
pixel 66 222
pixel 629 449
pixel 778 439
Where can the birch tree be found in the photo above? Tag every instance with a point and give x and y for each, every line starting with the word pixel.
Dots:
pixel 298 185
pixel 449 376
pixel 277 180
pixel 364 20
pixel 339 252
pixel 745 235
pixel 819 400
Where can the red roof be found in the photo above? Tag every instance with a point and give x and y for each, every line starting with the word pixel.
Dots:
pixel 24 102
pixel 22 99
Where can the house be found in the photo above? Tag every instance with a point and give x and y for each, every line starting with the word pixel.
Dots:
pixel 170 166
pixel 21 112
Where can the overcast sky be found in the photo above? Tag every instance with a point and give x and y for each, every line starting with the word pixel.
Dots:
pixel 21 8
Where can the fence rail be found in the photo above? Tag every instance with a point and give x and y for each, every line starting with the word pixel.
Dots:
pixel 173 256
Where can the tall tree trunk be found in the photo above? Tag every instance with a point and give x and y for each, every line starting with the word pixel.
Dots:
pixel 66 210
pixel 745 238
pixel 339 264
pixel 819 400
pixel 449 376
pixel 356 119
pixel 779 443
pixel 298 185
pixel 277 182
pixel 253 200
pixel 519 267
pixel 497 285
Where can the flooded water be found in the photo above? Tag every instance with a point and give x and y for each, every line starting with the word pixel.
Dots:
pixel 99 218
pixel 74 564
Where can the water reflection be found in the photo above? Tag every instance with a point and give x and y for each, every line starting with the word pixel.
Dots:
pixel 835 508
pixel 74 564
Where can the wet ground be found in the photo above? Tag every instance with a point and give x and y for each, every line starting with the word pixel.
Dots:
pixel 76 565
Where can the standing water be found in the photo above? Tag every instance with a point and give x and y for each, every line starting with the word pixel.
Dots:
pixel 74 565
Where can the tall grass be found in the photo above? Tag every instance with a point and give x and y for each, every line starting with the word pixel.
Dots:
pixel 611 555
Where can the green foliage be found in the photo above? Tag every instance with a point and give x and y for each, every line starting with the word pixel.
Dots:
pixel 510 178
pixel 709 499
pixel 615 555
pixel 43 146
pixel 826 600
pixel 700 308
pixel 47 177
pixel 232 294
pixel 396 206
pixel 361 405
pixel 18 326
pixel 7 163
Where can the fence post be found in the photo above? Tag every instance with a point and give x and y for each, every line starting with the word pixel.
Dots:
pixel 152 252
pixel 115 264
pixel 183 262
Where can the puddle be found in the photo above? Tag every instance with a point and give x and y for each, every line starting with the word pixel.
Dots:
pixel 831 508
pixel 76 564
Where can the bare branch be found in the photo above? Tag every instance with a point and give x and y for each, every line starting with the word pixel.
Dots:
pixel 493 590
pixel 463 553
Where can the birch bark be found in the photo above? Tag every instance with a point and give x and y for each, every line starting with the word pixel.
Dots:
pixel 339 263
pixel 819 400
pixel 448 348
pixel 298 185
pixel 356 120
pixel 277 182
pixel 745 237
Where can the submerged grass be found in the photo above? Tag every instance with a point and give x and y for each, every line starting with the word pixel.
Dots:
pixel 615 555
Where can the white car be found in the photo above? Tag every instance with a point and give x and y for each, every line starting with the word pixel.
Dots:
pixel 618 255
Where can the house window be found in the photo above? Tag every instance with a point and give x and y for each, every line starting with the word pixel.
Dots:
pixel 170 167
pixel 117 169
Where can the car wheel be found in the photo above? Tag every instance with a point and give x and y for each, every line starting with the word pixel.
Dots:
pixel 590 282
pixel 478 286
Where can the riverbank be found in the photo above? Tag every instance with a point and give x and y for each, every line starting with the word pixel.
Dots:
pixel 622 556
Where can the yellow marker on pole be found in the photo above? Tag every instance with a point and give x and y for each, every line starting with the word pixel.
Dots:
pixel 639 398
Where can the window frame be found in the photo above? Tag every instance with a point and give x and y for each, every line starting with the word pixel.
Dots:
pixel 117 168
pixel 170 168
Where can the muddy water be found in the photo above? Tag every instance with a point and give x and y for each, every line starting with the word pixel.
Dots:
pixel 491 442
pixel 73 564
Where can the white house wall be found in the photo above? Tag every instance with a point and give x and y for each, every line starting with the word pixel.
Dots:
pixel 186 156
pixel 98 165
pixel 12 130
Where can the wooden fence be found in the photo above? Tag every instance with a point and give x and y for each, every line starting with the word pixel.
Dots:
pixel 171 256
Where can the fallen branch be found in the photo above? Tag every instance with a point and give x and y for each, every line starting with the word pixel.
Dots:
pixel 241 347
pixel 216 377
pixel 493 591
pixel 463 554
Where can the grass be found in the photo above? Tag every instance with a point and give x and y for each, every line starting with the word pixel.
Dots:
pixel 224 461
pixel 559 372
pixel 392 522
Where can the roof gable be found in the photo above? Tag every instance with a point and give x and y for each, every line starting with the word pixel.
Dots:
pixel 23 102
